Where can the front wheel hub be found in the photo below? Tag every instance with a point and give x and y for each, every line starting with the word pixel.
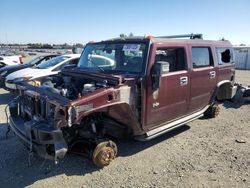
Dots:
pixel 104 153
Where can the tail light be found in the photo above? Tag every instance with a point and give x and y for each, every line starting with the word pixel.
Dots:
pixel 21 59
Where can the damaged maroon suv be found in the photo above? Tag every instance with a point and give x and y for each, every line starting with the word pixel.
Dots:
pixel 128 87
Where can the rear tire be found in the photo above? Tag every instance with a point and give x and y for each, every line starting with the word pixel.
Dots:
pixel 104 153
pixel 212 111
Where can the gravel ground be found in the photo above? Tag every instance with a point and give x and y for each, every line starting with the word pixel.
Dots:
pixel 204 153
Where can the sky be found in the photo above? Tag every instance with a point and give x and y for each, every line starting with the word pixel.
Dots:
pixel 81 21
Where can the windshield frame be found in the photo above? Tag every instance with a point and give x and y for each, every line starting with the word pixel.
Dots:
pixel 107 71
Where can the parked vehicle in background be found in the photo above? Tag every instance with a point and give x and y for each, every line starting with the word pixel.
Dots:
pixel 5 71
pixel 128 87
pixel 77 50
pixel 32 53
pixel 47 68
pixel 10 60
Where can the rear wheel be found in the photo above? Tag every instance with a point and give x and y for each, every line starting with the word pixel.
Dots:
pixel 212 111
pixel 104 153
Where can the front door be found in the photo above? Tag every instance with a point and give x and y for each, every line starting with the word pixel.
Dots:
pixel 171 100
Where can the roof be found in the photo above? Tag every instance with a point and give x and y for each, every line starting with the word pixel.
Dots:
pixel 167 40
pixel 191 41
pixel 241 47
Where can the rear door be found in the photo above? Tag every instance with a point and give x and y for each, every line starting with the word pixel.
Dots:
pixel 171 100
pixel 202 77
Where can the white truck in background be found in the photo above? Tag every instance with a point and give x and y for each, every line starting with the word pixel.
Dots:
pixel 10 60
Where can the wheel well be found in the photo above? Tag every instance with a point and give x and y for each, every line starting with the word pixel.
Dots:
pixel 105 126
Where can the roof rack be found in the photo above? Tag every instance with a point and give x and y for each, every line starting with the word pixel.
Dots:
pixel 191 36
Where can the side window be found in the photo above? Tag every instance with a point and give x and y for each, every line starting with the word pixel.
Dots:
pixel 174 56
pixel 201 57
pixel 71 62
pixel 63 65
pixel 224 55
pixel 74 61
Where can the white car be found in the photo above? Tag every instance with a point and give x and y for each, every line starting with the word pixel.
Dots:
pixel 48 68
pixel 10 60
pixel 100 61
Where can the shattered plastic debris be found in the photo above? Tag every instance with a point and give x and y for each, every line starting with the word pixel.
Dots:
pixel 240 141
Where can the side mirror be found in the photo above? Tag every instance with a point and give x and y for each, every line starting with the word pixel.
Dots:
pixel 159 68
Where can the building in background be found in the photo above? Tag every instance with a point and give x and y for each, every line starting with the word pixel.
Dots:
pixel 242 57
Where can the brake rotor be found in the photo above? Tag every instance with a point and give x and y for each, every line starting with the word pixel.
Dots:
pixel 104 153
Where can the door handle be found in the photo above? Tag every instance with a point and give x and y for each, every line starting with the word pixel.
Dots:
pixel 183 80
pixel 212 74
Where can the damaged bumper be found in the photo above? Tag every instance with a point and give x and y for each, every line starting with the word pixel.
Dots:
pixel 47 141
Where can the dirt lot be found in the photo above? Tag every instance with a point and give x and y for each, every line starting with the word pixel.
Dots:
pixel 204 153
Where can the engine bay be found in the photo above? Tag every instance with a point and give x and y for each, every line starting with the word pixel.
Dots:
pixel 71 87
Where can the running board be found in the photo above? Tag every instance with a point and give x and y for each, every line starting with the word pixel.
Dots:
pixel 170 126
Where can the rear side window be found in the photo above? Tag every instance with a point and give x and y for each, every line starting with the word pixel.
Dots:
pixel 201 57
pixel 224 55
pixel 174 56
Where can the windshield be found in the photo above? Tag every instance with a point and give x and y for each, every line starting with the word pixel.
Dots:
pixel 120 57
pixel 52 62
pixel 34 61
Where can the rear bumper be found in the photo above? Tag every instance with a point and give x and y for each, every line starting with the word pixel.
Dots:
pixel 46 141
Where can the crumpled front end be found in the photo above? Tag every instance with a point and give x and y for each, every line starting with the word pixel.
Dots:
pixel 62 113
pixel 32 120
